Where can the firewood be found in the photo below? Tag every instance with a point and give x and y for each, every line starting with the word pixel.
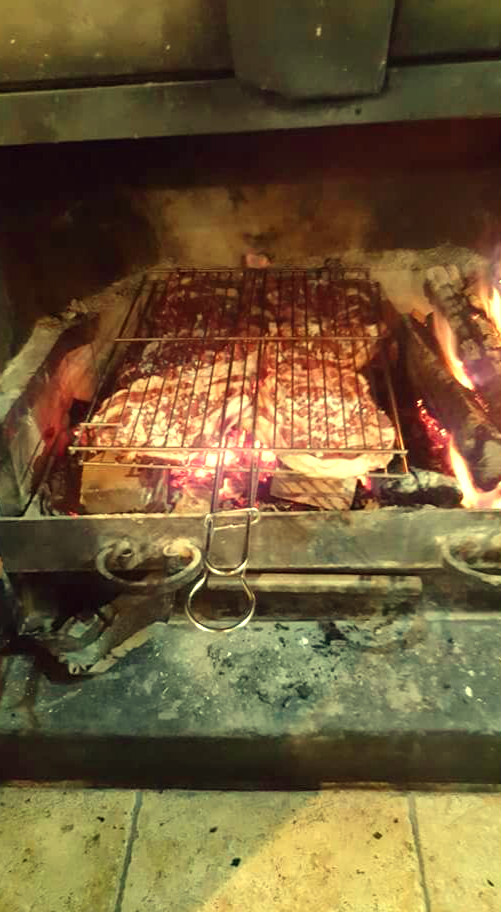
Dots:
pixel 321 492
pixel 478 343
pixel 114 489
pixel 455 407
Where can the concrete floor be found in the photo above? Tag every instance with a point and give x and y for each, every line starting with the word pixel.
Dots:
pixel 70 850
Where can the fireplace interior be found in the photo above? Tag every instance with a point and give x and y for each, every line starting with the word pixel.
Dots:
pixel 245 376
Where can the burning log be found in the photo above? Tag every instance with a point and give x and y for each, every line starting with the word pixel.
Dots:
pixel 456 408
pixel 474 337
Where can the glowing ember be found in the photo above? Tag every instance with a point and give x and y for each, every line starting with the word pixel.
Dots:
pixel 267 458
pixel 437 435
pixel 472 496
pixel 236 459
pixel 201 474
pixel 447 342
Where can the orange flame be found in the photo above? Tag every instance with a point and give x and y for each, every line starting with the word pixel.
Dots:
pixel 492 307
pixel 447 342
pixel 472 496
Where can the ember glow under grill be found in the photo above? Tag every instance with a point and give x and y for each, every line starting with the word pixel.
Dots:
pixel 248 371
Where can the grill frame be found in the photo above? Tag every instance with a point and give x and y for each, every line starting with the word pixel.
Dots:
pixel 211 331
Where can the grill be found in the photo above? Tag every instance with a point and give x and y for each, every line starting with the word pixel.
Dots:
pixel 203 339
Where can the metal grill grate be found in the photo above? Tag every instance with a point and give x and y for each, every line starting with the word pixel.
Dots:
pixel 249 363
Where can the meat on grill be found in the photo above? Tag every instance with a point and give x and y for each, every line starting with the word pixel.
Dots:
pixel 308 401
pixel 306 393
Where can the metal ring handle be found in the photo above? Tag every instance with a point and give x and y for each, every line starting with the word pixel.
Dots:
pixel 252 515
pixel 460 566
pixel 144 587
pixel 207 628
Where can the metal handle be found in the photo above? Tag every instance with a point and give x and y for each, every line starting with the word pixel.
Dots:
pixel 208 628
pixel 123 554
pixel 491 580
pixel 237 573
pixel 251 516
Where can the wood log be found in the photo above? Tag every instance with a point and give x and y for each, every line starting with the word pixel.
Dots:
pixel 316 491
pixel 456 408
pixel 478 344
pixel 115 489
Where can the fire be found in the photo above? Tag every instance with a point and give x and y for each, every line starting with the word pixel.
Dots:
pixel 492 307
pixel 237 456
pixel 472 496
pixel 447 342
pixel 267 458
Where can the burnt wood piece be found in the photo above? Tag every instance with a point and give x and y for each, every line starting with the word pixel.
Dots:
pixel 324 493
pixel 59 363
pixel 455 407
pixel 478 343
pixel 417 488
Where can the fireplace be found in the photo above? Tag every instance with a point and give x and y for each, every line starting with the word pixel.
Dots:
pixel 268 405
pixel 251 357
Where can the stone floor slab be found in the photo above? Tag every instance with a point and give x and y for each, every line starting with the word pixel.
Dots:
pixel 460 841
pixel 334 851
pixel 62 850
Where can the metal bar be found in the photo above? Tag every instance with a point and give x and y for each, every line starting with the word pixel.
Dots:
pixel 347 584
pixel 255 396
pixel 246 350
pixel 415 92
pixel 173 407
pixel 238 469
pixel 206 408
pixel 373 386
pixel 192 394
pixel 339 370
pixel 178 386
pixel 391 393
pixel 227 448
pixel 156 289
pixel 225 399
pixel 218 477
pixel 399 540
pixel 244 338
pixel 324 372
pixel 138 416
pixel 354 367
pixel 254 476
pixel 306 326
pixel 143 317
pixel 109 360
pixel 161 391
pixel 275 407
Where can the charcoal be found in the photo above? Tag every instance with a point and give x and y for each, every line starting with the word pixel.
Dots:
pixel 417 488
